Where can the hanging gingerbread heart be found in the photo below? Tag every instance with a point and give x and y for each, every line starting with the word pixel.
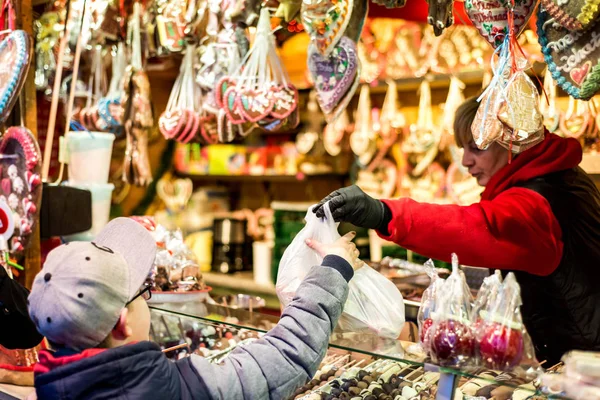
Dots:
pixel 285 101
pixel 334 75
pixel 21 185
pixel 572 57
pixel 490 17
pixel 171 122
pixel 574 15
pixel 15 57
pixel 254 105
pixel 326 22
pixel 231 106
pixel 222 85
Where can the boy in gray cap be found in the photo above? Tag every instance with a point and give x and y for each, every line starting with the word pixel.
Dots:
pixel 89 301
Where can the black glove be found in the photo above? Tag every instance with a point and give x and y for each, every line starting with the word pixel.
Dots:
pixel 351 204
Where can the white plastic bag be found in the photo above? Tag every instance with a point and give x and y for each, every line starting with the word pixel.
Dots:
pixel 298 258
pixel 374 302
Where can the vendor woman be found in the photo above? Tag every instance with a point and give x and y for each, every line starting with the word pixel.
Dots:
pixel 539 216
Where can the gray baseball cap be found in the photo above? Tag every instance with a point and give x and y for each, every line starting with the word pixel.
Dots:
pixel 78 296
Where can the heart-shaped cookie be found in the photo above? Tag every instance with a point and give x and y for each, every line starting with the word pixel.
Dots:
pixel 21 186
pixel 334 75
pixel 276 125
pixel 15 57
pixel 171 122
pixel 255 105
pixel 490 17
pixel 326 21
pixel 231 106
pixel 192 127
pixel 572 56
pixel 574 15
pixel 285 101
pixel 222 85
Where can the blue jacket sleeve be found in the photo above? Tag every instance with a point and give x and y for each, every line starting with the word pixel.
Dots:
pixel 274 366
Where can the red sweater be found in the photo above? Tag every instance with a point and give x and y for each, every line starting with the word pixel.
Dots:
pixel 510 228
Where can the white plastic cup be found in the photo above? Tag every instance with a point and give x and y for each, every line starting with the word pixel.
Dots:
pixel 89 155
pixel 262 253
pixel 101 200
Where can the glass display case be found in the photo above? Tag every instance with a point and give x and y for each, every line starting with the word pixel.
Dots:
pixel 213 331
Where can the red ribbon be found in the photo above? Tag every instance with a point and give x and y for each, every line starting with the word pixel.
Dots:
pixel 7 5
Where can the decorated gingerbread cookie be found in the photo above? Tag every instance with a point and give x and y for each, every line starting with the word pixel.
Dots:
pixel 490 17
pixel 334 76
pixel 15 57
pixel 326 22
pixel 574 15
pixel 572 56
pixel 20 183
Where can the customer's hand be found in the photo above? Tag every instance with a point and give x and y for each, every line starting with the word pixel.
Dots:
pixel 351 204
pixel 343 247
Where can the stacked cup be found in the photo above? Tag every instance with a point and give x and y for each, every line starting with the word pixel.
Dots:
pixel 88 155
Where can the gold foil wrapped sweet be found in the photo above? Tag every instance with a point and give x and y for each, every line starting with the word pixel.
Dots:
pixel 509 114
pixel 486 127
pixel 520 113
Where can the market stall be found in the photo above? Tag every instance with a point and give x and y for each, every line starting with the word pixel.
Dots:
pixel 218 124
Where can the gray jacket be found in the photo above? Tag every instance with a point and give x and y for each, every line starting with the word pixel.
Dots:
pixel 272 367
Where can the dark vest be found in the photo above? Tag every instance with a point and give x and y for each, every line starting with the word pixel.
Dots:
pixel 562 311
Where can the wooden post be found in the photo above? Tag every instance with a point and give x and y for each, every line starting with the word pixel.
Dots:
pixel 24 11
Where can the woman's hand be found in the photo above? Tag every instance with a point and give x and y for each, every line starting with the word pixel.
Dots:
pixel 351 204
pixel 343 247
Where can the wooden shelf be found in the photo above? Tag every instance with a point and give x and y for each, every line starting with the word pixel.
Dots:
pixel 261 178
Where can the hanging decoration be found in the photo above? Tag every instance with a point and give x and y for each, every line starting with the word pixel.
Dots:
pixel 137 111
pixel 336 70
pixel 422 143
pixel 572 56
pixel 89 116
pixel 15 57
pixel 440 15
pixel 453 101
pixel 509 112
pixel 491 17
pixel 259 91
pixel 363 139
pixel 391 123
pixel 184 119
pixel 109 106
pixel 326 22
pixel 574 15
pixel 20 183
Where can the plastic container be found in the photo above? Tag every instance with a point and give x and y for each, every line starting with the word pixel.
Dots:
pixel 262 255
pixel 89 155
pixel 101 200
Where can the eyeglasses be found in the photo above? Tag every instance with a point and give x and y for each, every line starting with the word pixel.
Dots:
pixel 144 292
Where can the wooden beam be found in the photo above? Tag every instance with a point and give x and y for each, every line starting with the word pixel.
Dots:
pixel 24 9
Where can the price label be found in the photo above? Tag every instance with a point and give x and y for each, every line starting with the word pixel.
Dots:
pixel 7 224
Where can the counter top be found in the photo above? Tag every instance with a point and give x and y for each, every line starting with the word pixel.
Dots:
pixel 242 281
pixel 11 392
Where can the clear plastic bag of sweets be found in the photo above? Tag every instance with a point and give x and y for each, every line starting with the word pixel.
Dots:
pixel 451 340
pixel 503 340
pixel 374 303
pixel 487 294
pixel 428 304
